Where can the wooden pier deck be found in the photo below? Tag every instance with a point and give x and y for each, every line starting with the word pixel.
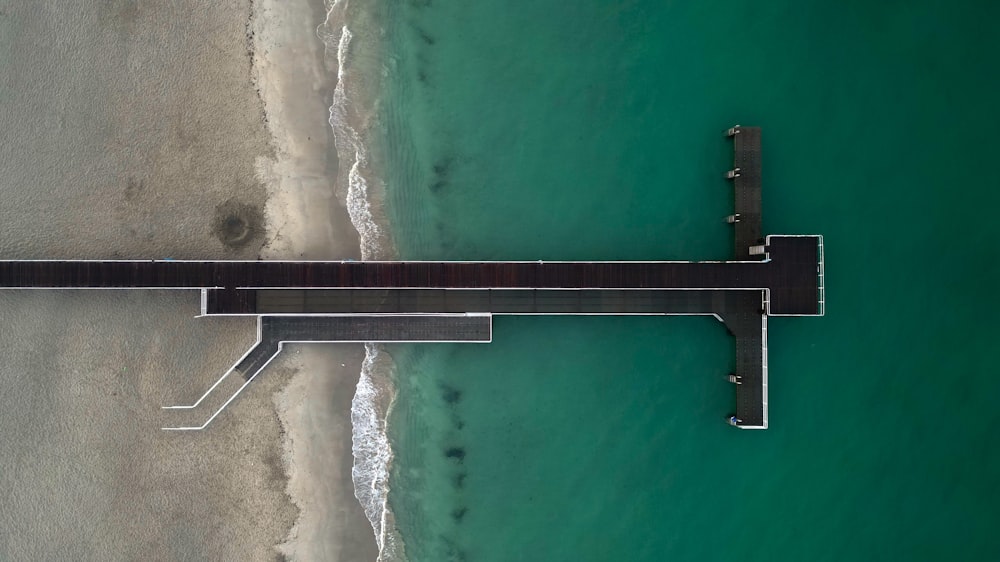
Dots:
pixel 493 301
pixel 455 301
pixel 747 190
pixel 789 273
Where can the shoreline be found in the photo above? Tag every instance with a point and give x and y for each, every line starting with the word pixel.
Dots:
pixel 308 219
pixel 352 38
pixel 317 455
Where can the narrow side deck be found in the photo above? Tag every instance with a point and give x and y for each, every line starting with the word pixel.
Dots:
pixel 747 187
pixel 274 331
pixel 382 328
pixel 493 301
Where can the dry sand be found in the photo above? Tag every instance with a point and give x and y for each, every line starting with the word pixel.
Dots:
pixel 87 475
pixel 140 131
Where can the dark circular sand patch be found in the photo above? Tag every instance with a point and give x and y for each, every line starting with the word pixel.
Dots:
pixel 237 224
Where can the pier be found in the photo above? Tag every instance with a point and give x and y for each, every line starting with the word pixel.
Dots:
pixel 746 219
pixel 410 301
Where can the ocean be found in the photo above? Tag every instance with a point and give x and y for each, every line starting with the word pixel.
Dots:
pixel 531 130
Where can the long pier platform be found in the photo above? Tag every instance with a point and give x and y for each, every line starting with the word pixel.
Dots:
pixel 453 301
pixel 788 272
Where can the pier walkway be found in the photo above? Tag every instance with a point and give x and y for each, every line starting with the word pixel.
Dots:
pixel 453 301
pixel 746 176
pixel 274 331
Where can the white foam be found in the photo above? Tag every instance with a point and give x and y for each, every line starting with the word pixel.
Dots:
pixel 370 410
pixel 348 142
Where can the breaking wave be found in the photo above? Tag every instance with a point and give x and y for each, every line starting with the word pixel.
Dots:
pixel 372 402
pixel 370 411
pixel 350 144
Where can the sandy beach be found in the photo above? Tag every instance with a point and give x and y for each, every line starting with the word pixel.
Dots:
pixel 184 131
pixel 310 221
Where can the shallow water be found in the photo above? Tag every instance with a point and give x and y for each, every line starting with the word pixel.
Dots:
pixel 530 131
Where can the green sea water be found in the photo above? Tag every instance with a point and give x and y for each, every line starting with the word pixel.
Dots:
pixel 593 130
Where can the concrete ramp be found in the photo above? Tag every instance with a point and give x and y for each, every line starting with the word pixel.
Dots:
pixel 273 332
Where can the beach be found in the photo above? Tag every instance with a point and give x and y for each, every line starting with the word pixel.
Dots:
pixel 187 131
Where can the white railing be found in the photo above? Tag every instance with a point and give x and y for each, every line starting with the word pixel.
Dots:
pixel 822 280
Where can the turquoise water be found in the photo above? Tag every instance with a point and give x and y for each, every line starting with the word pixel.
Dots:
pixel 528 130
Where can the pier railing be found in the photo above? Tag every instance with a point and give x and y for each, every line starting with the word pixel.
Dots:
pixel 821 280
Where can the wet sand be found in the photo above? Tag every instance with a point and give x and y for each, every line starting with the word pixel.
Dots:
pixel 144 131
pixel 331 525
pixel 310 222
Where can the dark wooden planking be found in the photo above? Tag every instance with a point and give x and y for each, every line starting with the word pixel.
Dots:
pixel 496 301
pixel 747 191
pixel 790 274
pixel 318 275
pixel 275 330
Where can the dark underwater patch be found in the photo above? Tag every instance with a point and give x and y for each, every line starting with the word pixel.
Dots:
pixel 441 170
pixel 450 394
pixel 425 37
pixel 452 552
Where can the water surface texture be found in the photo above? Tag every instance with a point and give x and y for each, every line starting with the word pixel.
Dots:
pixel 529 130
